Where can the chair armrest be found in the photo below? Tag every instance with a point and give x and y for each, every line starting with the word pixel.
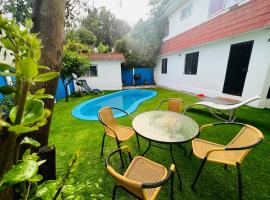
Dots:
pixel 220 123
pixel 123 148
pixel 214 150
pixel 244 147
pixel 129 115
pixel 162 182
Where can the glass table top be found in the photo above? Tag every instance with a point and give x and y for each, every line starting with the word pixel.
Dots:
pixel 165 126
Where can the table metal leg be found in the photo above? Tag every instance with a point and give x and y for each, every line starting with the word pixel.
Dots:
pixel 149 146
pixel 184 149
pixel 177 171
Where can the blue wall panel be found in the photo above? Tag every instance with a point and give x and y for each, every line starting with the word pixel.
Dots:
pixel 2 83
pixel 147 76
pixel 71 87
pixel 127 77
pixel 60 91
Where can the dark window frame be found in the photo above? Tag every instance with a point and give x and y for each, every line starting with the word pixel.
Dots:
pixel 191 63
pixel 91 72
pixel 268 94
pixel 164 66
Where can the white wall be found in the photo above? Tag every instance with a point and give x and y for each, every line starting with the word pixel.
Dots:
pixel 8 60
pixel 199 14
pixel 109 76
pixel 212 66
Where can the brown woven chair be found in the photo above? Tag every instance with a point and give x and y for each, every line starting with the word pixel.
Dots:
pixel 113 129
pixel 174 105
pixel 231 154
pixel 143 177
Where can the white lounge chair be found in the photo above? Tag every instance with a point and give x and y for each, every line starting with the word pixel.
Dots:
pixel 228 110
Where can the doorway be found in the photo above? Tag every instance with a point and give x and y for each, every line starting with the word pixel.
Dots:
pixel 237 68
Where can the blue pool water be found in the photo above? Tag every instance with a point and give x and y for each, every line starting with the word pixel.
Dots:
pixel 127 100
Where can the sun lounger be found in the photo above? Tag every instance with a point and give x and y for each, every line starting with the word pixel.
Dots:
pixel 83 84
pixel 217 110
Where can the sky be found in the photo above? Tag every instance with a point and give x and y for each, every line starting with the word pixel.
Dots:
pixel 129 10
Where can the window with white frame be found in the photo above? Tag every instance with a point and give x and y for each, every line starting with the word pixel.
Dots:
pixel 229 3
pixel 166 29
pixel 186 11
pixel 92 71
pixel 217 6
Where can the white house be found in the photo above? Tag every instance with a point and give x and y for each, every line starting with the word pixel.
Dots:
pixel 105 71
pixel 217 47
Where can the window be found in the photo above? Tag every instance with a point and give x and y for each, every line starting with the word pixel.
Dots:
pixel 230 3
pixel 92 71
pixel 268 94
pixel 191 63
pixel 215 6
pixel 164 66
pixel 166 29
pixel 186 11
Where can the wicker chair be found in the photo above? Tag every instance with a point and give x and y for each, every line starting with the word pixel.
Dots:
pixel 113 129
pixel 231 154
pixel 174 105
pixel 143 178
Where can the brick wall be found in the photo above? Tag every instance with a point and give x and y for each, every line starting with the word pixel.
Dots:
pixel 251 16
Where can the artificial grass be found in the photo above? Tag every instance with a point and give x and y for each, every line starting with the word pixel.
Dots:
pixel 69 135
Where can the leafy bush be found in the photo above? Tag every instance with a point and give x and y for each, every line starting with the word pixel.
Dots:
pixel 78 47
pixel 83 36
pixel 73 64
pixel 102 48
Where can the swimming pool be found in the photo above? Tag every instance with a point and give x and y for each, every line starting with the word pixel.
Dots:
pixel 127 100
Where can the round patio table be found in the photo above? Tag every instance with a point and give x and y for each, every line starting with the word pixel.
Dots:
pixel 165 127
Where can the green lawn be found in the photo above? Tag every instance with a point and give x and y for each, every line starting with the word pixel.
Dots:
pixel 69 135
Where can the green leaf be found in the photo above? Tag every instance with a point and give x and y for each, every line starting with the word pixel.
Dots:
pixel 43 67
pixel 7 74
pixel 19 129
pixel 12 114
pixel 19 173
pixel 33 112
pixel 69 189
pixel 28 156
pixel 4 67
pixel 8 44
pixel 47 189
pixel 40 91
pixel 46 76
pixel 28 140
pixel 36 178
pixel 6 90
pixel 41 162
pixel 43 96
pixel 28 67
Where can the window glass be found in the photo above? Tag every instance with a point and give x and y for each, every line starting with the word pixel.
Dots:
pixel 229 3
pixel 191 63
pixel 166 29
pixel 164 66
pixel 186 11
pixel 92 71
pixel 215 6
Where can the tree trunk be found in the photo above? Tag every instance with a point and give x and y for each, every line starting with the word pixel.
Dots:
pixel 66 91
pixel 49 18
pixel 7 151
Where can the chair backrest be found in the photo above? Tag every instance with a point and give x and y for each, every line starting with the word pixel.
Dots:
pixel 106 116
pixel 174 105
pixel 247 138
